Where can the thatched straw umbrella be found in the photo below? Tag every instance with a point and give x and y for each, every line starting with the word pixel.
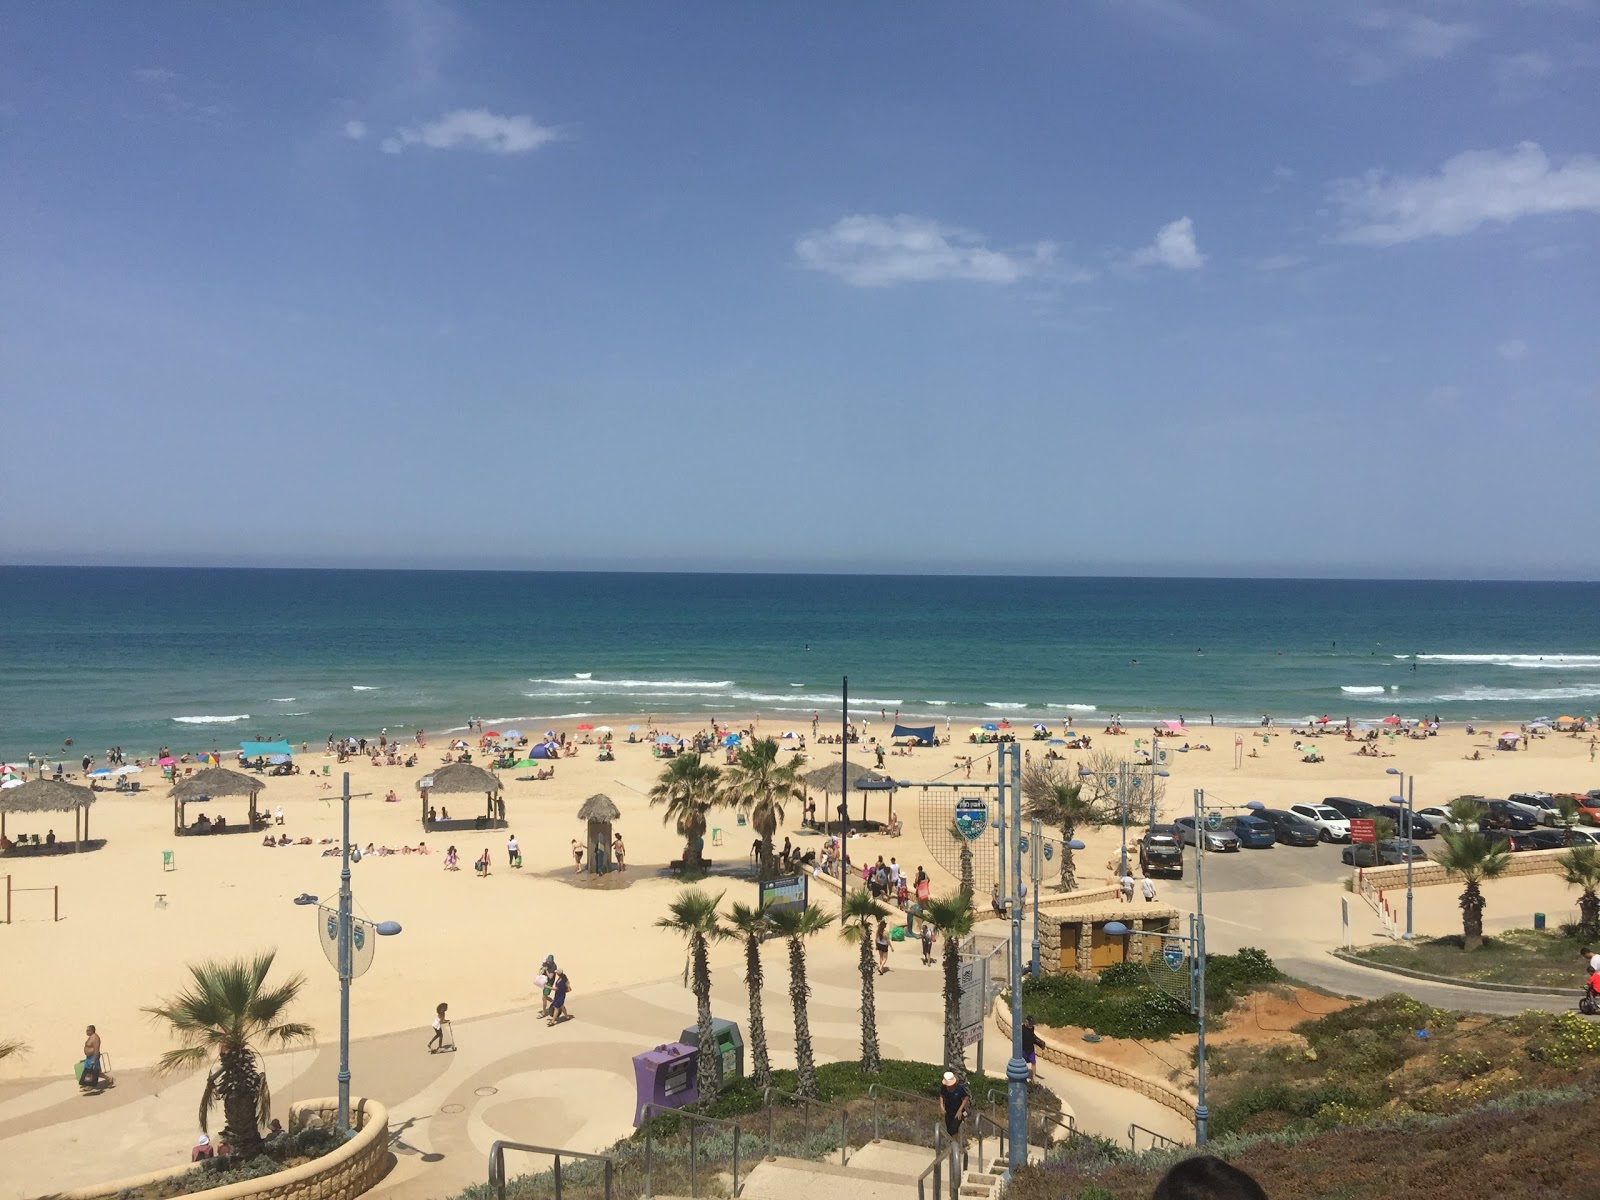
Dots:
pixel 838 780
pixel 49 795
pixel 598 812
pixel 454 779
pixel 209 785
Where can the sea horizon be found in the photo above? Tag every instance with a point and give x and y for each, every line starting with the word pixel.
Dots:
pixel 198 658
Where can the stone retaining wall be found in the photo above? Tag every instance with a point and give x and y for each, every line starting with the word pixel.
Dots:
pixel 1158 1090
pixel 1428 874
pixel 343 1174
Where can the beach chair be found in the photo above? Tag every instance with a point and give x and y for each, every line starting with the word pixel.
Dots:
pixel 168 862
pixel 716 835
pixel 324 770
pixel 741 819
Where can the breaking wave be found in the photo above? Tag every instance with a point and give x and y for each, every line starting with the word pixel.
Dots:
pixel 208 720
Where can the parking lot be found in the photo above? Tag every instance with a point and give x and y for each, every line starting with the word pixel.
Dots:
pixel 1257 870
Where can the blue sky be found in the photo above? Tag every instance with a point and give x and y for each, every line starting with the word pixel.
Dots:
pixel 1264 287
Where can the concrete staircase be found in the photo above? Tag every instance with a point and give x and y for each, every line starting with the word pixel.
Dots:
pixel 877 1171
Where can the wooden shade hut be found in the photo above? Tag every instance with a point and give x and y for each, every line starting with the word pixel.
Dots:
pixel 837 780
pixel 598 812
pixel 49 795
pixel 454 779
pixel 214 783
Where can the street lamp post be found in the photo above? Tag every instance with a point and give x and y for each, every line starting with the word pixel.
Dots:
pixel 1409 800
pixel 1035 847
pixel 350 933
pixel 1017 1067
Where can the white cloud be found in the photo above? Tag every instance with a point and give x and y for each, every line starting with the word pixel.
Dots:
pixel 1518 75
pixel 355 130
pixel 1280 262
pixel 474 129
pixel 1401 39
pixel 1470 190
pixel 1513 349
pixel 154 75
pixel 1174 247
pixel 875 251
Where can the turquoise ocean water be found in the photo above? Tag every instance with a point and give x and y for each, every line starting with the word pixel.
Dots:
pixel 197 659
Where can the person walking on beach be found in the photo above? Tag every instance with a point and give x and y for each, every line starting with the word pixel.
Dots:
pixel 1148 887
pixel 577 857
pixel 1127 887
pixel 91 1059
pixel 927 944
pixel 954 1103
pixel 436 1042
pixel 558 999
pixel 483 864
pixel 1030 1048
pixel 881 941
pixel 511 851
pixel 617 852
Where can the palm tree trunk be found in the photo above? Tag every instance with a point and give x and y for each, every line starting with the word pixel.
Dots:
pixel 761 1071
pixel 766 856
pixel 967 883
pixel 705 1064
pixel 239 1081
pixel 799 994
pixel 1069 868
pixel 1589 914
pixel 1472 903
pixel 871 1058
pixel 954 1052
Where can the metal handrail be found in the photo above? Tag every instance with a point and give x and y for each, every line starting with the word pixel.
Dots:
pixel 844 1119
pixel 648 1114
pixel 872 1094
pixel 497 1164
pixel 977 1125
pixel 1158 1141
pixel 997 1100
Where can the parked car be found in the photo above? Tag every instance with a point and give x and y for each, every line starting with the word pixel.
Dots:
pixel 1514 840
pixel 1352 809
pixel 1290 828
pixel 1497 814
pixel 1543 839
pixel 1253 832
pixel 1398 815
pixel 1216 839
pixel 1161 851
pixel 1389 852
pixel 1335 826
pixel 1439 818
pixel 1541 806
pixel 1588 807
pixel 1582 835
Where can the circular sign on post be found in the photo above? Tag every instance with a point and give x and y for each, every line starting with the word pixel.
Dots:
pixel 971 816
pixel 1213 820
pixel 1022 844
pixel 1172 955
pixel 1049 852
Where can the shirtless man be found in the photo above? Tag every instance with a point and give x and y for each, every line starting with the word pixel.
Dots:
pixel 91 1059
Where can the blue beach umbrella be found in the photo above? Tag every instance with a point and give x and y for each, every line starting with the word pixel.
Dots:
pixel 666 739
pixel 100 773
pixel 512 733
pixel 991 728
pixel 731 740
pixel 278 760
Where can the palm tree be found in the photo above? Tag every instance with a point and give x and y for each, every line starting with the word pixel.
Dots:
pixel 1474 858
pixel 965 845
pixel 12 1046
pixel 694 914
pixel 797 924
pixel 757 783
pixel 951 916
pixel 688 789
pixel 1569 814
pixel 1580 866
pixel 1057 800
pixel 1464 813
pixel 862 914
pixel 752 925
pixel 227 1016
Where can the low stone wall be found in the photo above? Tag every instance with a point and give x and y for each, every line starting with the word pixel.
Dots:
pixel 1429 874
pixel 343 1174
pixel 1160 1091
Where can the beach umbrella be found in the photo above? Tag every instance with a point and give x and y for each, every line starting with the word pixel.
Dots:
pixel 492 733
pixel 1174 726
pixel 1364 727
pixel 1005 724
pixel 991 728
pixel 1391 720
pixel 585 727
pixel 549 733
pixel 130 769
pixel 633 729
pixel 167 760
pixel 10 781
pixel 731 740
pixel 99 772
pixel 512 733
pixel 666 739
pixel 1041 728
pixel 603 729
pixel 278 760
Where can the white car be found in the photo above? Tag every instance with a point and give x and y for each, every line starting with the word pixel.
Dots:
pixel 1541 806
pixel 1334 825
pixel 1584 835
pixel 1439 818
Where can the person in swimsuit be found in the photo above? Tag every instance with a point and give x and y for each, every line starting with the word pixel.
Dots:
pixel 881 940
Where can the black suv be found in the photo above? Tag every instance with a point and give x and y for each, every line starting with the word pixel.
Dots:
pixel 1160 850
pixel 1352 809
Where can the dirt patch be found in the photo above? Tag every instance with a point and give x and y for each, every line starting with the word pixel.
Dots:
pixel 1261 1018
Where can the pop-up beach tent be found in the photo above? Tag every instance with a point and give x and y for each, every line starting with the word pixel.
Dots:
pixel 923 733
pixel 263 749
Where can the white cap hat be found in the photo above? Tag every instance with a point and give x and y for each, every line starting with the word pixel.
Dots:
pixel 949 1076
pixel 204 1141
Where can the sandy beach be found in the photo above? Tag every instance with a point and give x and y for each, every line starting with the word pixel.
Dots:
pixel 128 925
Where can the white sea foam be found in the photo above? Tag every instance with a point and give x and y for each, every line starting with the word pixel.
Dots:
pixel 283 699
pixel 583 675
pixel 290 714
pixel 1073 707
pixel 356 687
pixel 1010 704
pixel 606 685
pixel 1362 691
pixel 938 703
pixel 566 716
pixel 207 720
pixel 797 685
pixel 1547 662
pixel 1517 695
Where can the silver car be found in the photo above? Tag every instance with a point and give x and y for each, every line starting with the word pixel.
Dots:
pixel 1216 839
